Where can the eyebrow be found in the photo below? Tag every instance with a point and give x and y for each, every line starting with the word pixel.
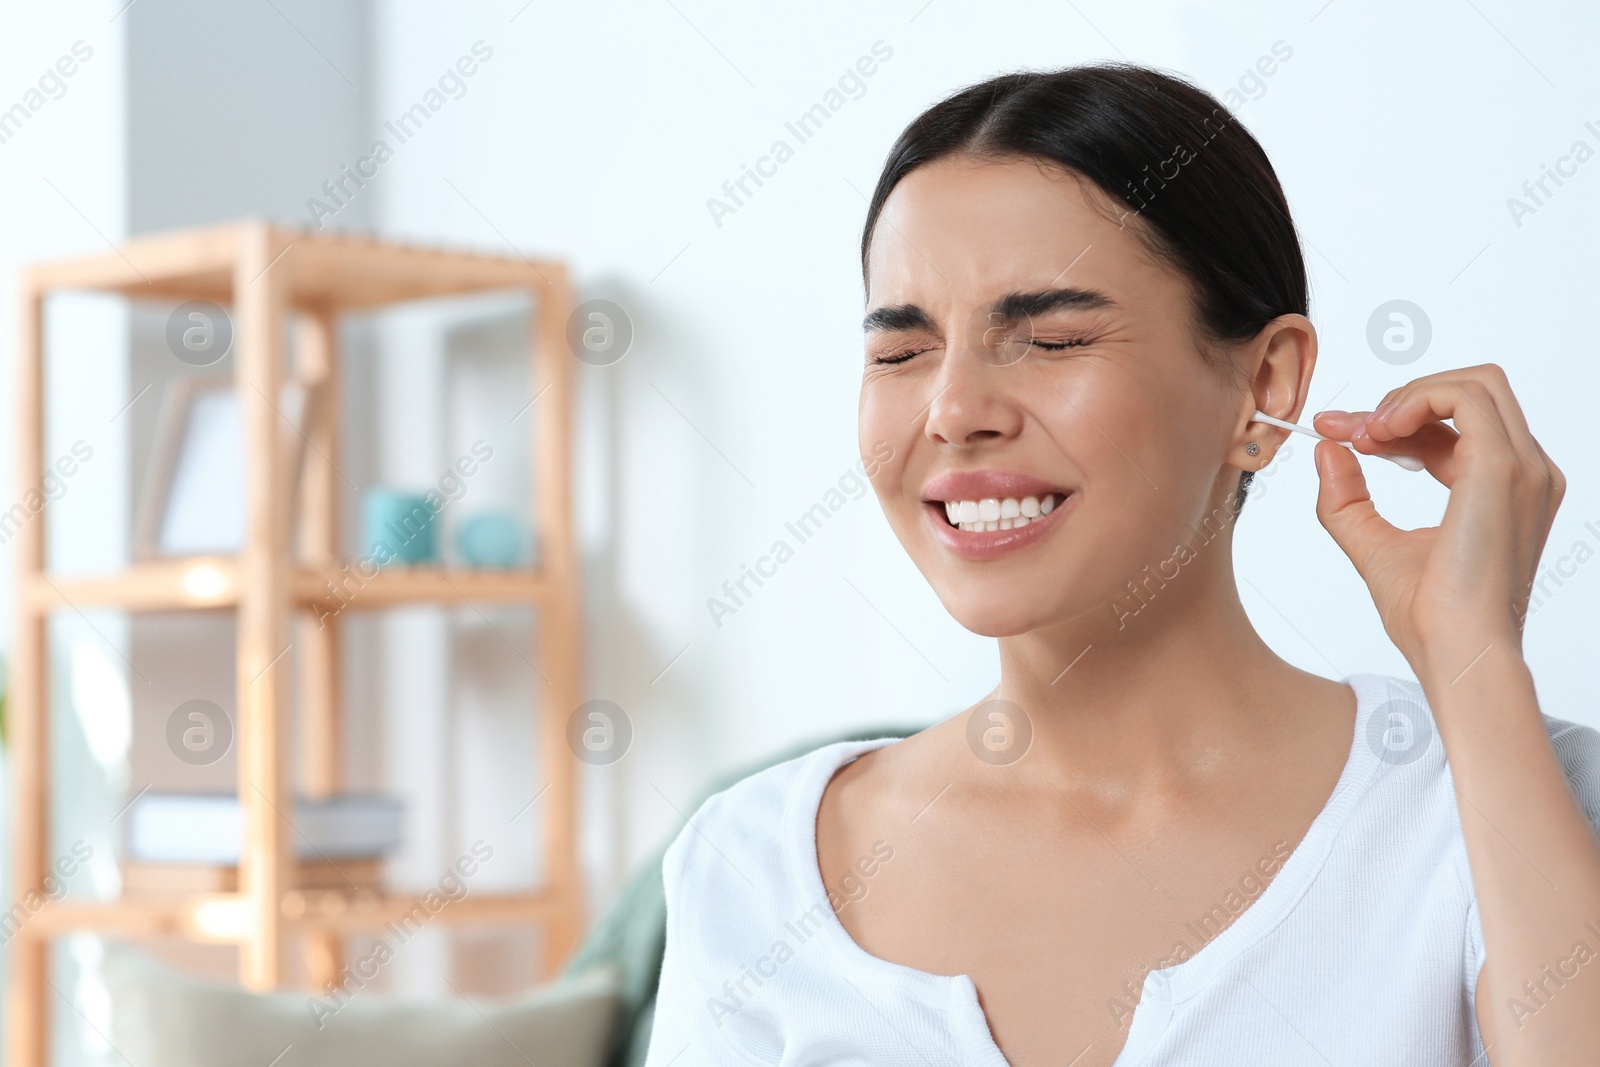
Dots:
pixel 1010 307
pixel 896 317
pixel 1025 305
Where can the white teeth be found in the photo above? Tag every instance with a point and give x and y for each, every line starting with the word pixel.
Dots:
pixel 994 513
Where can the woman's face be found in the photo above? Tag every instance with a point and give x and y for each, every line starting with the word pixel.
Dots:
pixel 1026 355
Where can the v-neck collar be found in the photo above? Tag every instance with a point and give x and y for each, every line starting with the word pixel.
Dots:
pixel 1163 989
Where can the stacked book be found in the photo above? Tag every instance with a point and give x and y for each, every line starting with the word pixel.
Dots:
pixel 191 842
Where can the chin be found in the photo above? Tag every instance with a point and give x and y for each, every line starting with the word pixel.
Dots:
pixel 1040 587
pixel 998 613
pixel 1003 600
pixel 996 627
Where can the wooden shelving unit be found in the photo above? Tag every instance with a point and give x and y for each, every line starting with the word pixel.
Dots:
pixel 272 276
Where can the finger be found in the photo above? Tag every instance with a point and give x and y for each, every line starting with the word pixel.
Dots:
pixel 1493 377
pixel 1338 424
pixel 1434 444
pixel 1465 402
pixel 1509 466
pixel 1345 508
pixel 1518 440
pixel 1518 435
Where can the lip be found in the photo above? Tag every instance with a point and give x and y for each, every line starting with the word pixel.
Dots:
pixel 976 485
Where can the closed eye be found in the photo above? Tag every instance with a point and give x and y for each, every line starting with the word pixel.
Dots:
pixel 1048 346
pixel 899 357
pixel 1058 344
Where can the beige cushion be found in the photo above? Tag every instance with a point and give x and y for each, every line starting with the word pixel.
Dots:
pixel 162 1017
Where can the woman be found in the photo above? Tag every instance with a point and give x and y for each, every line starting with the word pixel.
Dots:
pixel 1156 842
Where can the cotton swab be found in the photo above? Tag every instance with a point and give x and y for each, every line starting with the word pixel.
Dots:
pixel 1410 463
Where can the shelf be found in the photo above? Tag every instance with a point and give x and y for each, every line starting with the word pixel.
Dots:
pixel 198 582
pixel 326 270
pixel 288 586
pixel 210 917
pixel 416 585
pixel 142 880
pixel 213 582
pixel 338 910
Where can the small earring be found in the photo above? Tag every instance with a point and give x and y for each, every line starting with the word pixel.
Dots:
pixel 1251 449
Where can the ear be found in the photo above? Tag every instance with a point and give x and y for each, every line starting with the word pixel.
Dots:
pixel 1278 365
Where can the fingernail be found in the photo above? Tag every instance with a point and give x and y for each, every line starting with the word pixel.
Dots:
pixel 1331 411
pixel 1383 409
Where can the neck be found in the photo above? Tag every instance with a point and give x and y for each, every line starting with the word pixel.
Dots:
pixel 1151 691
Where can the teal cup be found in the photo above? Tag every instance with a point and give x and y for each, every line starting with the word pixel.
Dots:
pixel 397 527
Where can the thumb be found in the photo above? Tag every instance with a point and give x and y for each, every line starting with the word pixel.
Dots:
pixel 1344 506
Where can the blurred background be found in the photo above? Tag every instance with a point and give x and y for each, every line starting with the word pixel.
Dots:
pixel 1437 156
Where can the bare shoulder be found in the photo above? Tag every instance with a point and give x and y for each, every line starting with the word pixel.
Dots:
pixel 876 790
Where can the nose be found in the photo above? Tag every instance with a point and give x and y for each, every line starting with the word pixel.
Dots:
pixel 975 399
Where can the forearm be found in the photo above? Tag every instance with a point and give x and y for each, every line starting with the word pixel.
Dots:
pixel 1534 858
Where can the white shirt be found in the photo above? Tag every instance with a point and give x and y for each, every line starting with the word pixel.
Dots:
pixel 1363 949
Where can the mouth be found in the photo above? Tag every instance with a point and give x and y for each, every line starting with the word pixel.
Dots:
pixel 984 515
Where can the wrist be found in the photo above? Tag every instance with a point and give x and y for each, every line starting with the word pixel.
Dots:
pixel 1456 655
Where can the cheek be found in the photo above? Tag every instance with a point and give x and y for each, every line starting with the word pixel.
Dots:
pixel 884 395
pixel 1105 420
pixel 882 418
pixel 888 478
pixel 1120 417
pixel 1127 442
